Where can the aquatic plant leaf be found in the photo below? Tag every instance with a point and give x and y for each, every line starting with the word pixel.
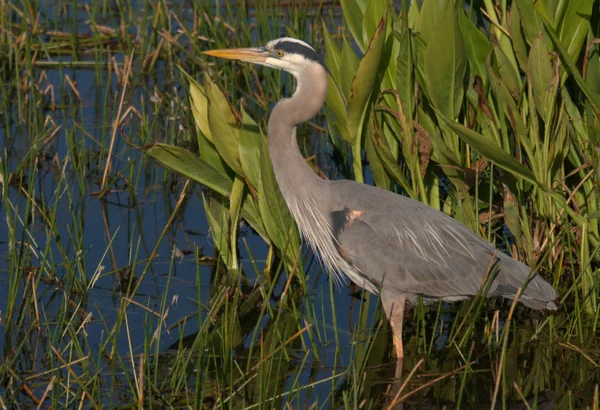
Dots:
pixel 430 14
pixel 511 213
pixel 249 150
pixel 518 37
pixel 570 67
pixel 490 149
pixel 186 163
pixel 374 12
pixel 333 55
pixel 363 83
pixel 335 100
pixel 354 11
pixel 251 215
pixel 235 204
pixel 380 177
pixel 223 124
pixel 530 19
pixel 210 155
pixel 217 215
pixel 389 163
pixel 446 65
pixel 199 106
pixel 477 47
pixel 350 63
pixel 540 73
pixel 405 78
pixel 575 25
pixel 510 77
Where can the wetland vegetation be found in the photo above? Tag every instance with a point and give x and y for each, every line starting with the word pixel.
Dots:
pixel 147 259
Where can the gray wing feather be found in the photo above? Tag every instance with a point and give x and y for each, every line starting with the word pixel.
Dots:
pixel 415 249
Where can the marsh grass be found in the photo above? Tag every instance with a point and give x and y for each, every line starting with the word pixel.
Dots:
pixel 114 292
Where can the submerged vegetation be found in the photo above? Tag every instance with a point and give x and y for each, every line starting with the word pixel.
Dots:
pixel 122 284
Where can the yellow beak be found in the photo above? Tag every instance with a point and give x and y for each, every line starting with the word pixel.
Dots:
pixel 251 55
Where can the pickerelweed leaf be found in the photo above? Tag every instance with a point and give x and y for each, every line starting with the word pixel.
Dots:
pixel 223 124
pixel 477 46
pixel 571 68
pixel 490 149
pixel 429 16
pixel 364 81
pixel 217 216
pixel 380 177
pixel 354 12
pixel 540 73
pixel 575 25
pixel 446 65
pixel 184 162
pixel 249 149
pixel 199 106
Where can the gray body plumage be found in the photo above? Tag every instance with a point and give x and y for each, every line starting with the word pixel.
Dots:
pixel 422 251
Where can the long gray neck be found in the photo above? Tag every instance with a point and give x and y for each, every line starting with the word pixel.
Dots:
pixel 295 178
pixel 307 196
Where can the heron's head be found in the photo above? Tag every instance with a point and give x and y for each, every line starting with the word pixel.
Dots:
pixel 284 53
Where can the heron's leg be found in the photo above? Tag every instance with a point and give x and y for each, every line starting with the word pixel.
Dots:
pixel 394 310
pixel 396 318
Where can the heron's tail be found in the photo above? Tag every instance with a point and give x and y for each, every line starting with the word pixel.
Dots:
pixel 538 294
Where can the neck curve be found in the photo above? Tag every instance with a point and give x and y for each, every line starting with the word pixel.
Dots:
pixel 293 174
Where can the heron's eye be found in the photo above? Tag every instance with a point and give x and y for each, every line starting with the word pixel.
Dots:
pixel 279 53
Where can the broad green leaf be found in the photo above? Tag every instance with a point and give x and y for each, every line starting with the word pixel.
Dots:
pixel 210 155
pixel 223 125
pixel 380 177
pixel 252 216
pixel 477 46
pixel 218 220
pixel 518 37
pixel 509 76
pixel 199 106
pixel 334 98
pixel 497 16
pixel 235 205
pixel 363 85
pixel 592 81
pixel 364 81
pixel 429 16
pixel 530 20
pixel 489 149
pixel 350 63
pixel 575 25
pixel 389 163
pixel 414 16
pixel 249 149
pixel 354 12
pixel 446 65
pixel 373 14
pixel 540 73
pixel 571 68
pixel 333 55
pixel 418 48
pixel 511 213
pixel 184 162
pixel 405 80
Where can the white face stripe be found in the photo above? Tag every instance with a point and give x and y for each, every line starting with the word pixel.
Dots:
pixel 273 43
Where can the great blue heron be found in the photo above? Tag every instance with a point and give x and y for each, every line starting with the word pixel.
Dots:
pixel 389 244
